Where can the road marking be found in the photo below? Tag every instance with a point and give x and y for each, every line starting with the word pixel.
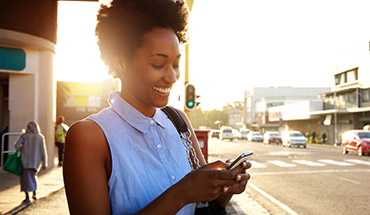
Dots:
pixel 281 163
pixel 349 180
pixel 272 199
pixel 310 172
pixel 308 163
pixel 358 161
pixel 339 163
pixel 255 164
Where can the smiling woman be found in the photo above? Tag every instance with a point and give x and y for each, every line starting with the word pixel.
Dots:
pixel 129 158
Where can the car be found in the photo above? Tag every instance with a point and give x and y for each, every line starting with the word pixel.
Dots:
pixel 272 137
pixel 226 132
pixel 294 138
pixel 357 141
pixel 244 133
pixel 236 134
pixel 215 133
pixel 254 136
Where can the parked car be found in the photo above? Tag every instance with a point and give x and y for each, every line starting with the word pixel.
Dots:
pixel 244 133
pixel 294 138
pixel 236 134
pixel 272 137
pixel 254 136
pixel 356 140
pixel 215 133
pixel 226 132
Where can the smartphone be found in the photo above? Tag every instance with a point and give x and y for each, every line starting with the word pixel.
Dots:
pixel 239 160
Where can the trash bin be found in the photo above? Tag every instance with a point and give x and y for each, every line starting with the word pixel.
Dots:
pixel 202 136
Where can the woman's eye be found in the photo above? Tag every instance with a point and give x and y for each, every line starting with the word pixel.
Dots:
pixel 155 66
pixel 176 66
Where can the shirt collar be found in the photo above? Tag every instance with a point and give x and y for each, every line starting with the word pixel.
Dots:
pixel 133 116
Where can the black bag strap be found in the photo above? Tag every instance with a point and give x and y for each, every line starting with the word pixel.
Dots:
pixel 176 119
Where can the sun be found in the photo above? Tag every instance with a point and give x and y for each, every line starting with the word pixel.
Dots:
pixel 77 56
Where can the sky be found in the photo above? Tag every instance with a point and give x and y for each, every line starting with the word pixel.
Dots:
pixel 234 44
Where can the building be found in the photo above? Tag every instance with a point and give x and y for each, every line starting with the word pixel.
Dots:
pixel 347 105
pixel 28 35
pixel 258 102
pixel 27 47
pixel 76 101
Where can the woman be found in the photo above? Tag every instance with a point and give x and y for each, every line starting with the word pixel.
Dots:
pixel 129 158
pixel 33 152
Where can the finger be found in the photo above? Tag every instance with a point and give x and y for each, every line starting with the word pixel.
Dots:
pixel 246 165
pixel 242 177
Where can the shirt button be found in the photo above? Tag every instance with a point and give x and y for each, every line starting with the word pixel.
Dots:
pixel 152 122
pixel 159 146
pixel 172 177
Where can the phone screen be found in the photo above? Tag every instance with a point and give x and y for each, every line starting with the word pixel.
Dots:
pixel 242 157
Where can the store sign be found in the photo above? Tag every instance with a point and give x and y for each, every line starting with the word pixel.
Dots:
pixel 12 59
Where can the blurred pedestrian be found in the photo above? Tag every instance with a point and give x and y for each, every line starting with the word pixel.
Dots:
pixel 313 136
pixel 323 136
pixel 60 136
pixel 129 158
pixel 31 145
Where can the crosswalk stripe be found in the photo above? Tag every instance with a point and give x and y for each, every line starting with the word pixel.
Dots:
pixel 308 163
pixel 339 163
pixel 281 163
pixel 358 161
pixel 255 164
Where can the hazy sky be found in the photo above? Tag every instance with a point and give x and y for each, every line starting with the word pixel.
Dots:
pixel 236 44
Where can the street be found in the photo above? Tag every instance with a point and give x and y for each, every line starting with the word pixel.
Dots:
pixel 315 180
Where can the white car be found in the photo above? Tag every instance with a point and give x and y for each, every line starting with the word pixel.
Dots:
pixel 226 132
pixel 236 134
pixel 244 133
pixel 254 136
pixel 294 138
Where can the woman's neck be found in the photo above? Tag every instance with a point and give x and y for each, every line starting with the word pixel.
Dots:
pixel 146 110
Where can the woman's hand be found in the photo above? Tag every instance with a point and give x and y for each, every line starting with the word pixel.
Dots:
pixel 208 182
pixel 241 178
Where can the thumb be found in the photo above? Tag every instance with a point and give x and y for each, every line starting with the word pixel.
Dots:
pixel 215 165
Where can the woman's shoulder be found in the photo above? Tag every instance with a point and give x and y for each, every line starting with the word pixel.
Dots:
pixel 86 129
pixel 86 136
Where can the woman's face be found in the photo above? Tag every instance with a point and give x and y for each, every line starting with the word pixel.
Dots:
pixel 149 76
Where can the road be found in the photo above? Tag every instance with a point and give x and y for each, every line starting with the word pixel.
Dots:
pixel 315 180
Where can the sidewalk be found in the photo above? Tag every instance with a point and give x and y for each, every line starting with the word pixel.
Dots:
pixel 11 198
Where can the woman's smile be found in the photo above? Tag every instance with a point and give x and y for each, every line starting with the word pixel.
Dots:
pixel 162 90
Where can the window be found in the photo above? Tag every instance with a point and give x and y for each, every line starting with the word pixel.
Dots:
pixel 365 95
pixel 349 77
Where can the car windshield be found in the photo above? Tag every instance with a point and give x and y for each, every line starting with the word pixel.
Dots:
pixel 256 134
pixel 227 131
pixel 296 135
pixel 364 134
pixel 274 135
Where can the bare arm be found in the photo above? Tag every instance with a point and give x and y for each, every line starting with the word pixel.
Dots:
pixel 85 171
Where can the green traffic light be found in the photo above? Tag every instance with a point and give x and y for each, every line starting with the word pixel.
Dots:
pixel 190 104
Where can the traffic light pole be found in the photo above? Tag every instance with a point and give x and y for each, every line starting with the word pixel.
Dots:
pixel 186 71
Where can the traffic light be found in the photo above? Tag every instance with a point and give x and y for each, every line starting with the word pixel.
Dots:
pixel 190 97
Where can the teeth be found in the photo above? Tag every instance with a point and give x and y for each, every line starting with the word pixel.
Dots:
pixel 162 90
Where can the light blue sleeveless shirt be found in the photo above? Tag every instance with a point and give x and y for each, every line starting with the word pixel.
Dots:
pixel 147 154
